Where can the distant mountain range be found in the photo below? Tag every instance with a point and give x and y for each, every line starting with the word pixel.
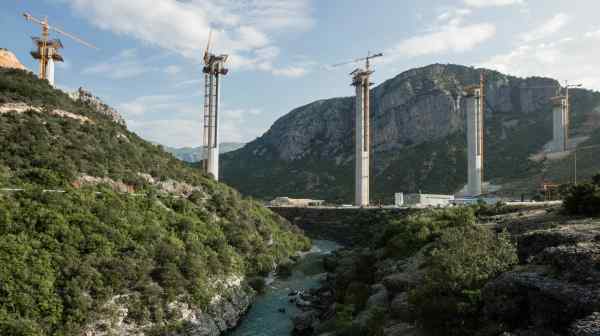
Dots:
pixel 194 154
pixel 419 143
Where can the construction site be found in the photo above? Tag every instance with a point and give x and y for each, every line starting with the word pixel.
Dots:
pixel 472 103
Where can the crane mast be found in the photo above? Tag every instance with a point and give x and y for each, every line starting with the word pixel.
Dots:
pixel 47 50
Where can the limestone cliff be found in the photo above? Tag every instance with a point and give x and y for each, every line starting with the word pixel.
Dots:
pixel 97 104
pixel 9 60
pixel 418 136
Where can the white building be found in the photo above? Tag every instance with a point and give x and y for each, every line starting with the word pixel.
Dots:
pixel 295 202
pixel 428 200
pixel 399 199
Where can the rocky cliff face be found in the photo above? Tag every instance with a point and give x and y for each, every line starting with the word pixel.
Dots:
pixel 9 60
pixel 97 104
pixel 418 142
pixel 222 314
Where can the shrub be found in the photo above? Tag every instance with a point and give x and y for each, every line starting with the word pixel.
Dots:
pixel 462 261
pixel 357 295
pixel 343 316
pixel 583 199
pixel 596 179
pixel 402 238
pixel 258 284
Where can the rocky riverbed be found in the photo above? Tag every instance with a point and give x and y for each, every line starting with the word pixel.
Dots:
pixel 272 312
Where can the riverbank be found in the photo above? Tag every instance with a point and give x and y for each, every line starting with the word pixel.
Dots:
pixel 271 313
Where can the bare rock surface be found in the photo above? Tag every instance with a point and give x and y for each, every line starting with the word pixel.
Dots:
pixel 9 60
pixel 221 315
pixel 588 326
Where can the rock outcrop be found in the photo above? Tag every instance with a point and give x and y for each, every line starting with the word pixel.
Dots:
pixel 94 102
pixel 222 314
pixel 556 290
pixel 9 60
pixel 22 108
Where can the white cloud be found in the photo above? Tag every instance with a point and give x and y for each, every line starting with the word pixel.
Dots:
pixel 453 17
pixel 547 29
pixel 492 3
pixel 169 120
pixel 292 71
pixel 451 38
pixel 449 34
pixel 122 66
pixel 147 105
pixel 242 28
pixel 169 132
pixel 172 70
pixel 572 58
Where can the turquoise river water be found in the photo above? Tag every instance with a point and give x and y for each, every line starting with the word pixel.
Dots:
pixel 264 317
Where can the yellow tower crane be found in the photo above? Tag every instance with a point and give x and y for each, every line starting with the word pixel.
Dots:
pixel 47 49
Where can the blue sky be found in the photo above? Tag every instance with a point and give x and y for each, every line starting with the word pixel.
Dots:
pixel 148 65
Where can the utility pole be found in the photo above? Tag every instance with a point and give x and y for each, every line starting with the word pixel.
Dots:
pixel 361 81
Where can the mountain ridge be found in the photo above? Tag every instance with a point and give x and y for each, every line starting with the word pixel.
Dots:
pixel 194 154
pixel 418 137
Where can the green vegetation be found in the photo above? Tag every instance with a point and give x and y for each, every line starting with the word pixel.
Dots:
pixel 68 147
pixel 65 255
pixel 402 238
pixel 461 262
pixel 460 258
pixel 438 258
pixel 584 199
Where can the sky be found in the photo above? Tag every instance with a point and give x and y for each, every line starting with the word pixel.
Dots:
pixel 149 62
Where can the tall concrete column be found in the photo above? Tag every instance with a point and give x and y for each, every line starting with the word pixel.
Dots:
pixel 212 147
pixel 50 71
pixel 361 82
pixel 213 167
pixel 474 142
pixel 214 68
pixel 559 113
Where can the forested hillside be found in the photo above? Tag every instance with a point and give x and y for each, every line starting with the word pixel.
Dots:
pixel 95 260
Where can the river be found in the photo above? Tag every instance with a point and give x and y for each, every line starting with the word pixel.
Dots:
pixel 264 317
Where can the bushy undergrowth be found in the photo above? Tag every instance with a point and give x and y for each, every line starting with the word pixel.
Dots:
pixel 404 237
pixel 457 257
pixel 584 199
pixel 463 259
pixel 102 148
pixel 65 254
